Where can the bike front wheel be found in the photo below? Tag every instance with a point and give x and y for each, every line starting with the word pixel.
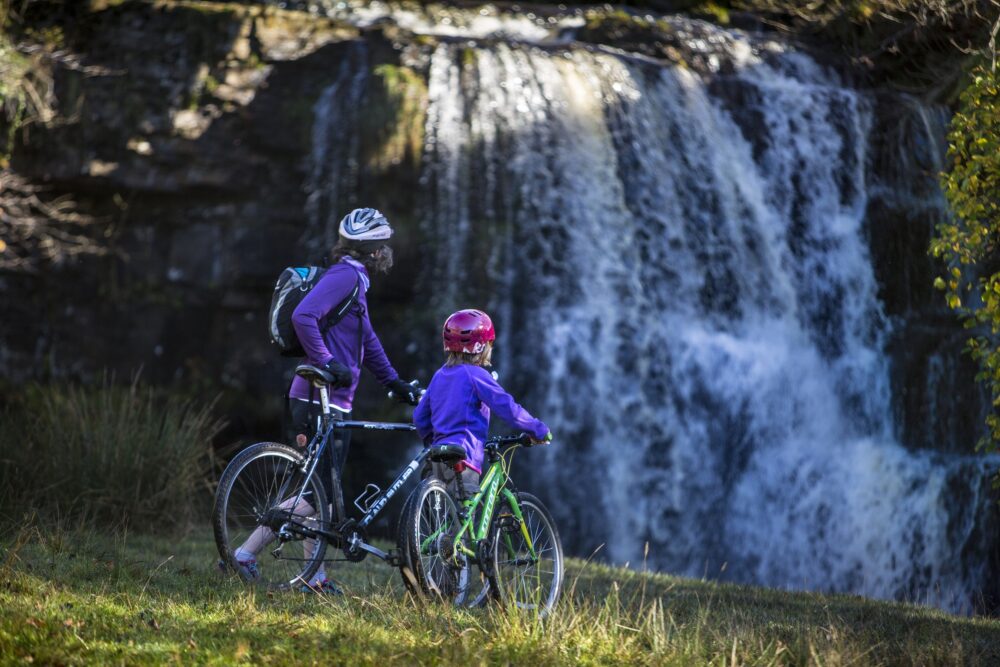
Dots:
pixel 264 507
pixel 525 555
pixel 434 563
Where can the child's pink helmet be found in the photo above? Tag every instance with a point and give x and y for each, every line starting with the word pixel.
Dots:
pixel 468 331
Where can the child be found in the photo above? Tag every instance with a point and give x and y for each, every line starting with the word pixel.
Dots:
pixel 462 394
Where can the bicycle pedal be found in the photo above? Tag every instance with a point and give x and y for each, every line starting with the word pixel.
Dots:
pixel 393 559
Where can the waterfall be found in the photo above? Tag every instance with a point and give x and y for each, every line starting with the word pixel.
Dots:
pixel 678 268
pixel 333 164
pixel 679 262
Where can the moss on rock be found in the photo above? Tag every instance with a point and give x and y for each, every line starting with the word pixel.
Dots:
pixel 395 117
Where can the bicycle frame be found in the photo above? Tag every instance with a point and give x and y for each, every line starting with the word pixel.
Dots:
pixel 492 485
pixel 326 427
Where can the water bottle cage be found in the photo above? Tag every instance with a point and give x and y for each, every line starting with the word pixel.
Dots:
pixel 367 497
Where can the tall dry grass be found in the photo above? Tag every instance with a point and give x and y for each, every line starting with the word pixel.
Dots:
pixel 109 454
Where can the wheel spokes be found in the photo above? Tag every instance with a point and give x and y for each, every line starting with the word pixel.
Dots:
pixel 526 559
pixel 254 510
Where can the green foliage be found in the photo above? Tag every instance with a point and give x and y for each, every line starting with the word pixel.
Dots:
pixel 52 35
pixel 715 10
pixel 106 455
pixel 73 598
pixel 26 85
pixel 14 69
pixel 968 242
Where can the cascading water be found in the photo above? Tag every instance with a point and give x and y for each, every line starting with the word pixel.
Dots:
pixel 678 267
pixel 334 158
pixel 696 304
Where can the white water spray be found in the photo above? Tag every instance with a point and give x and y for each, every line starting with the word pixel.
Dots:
pixel 683 286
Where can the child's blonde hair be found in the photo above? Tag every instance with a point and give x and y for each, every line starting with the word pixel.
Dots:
pixel 480 359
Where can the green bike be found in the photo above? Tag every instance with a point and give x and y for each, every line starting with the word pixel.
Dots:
pixel 507 534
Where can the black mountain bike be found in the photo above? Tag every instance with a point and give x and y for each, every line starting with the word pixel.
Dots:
pixel 271 495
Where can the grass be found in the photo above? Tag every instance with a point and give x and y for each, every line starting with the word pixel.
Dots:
pixel 70 597
pixel 106 453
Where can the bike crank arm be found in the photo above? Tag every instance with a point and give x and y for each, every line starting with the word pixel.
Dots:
pixel 375 551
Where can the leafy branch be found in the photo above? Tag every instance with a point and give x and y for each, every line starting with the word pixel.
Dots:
pixel 969 242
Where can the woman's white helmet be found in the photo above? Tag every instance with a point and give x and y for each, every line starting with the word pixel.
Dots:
pixel 365 224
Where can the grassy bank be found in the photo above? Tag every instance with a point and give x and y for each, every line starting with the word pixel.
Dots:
pixel 131 599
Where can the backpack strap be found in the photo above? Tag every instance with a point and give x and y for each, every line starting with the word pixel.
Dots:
pixel 344 307
pixel 361 313
pixel 361 325
pixel 338 313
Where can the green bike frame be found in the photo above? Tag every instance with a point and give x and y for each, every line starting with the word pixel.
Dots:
pixel 491 487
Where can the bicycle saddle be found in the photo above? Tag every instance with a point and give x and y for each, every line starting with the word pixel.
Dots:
pixel 447 453
pixel 314 374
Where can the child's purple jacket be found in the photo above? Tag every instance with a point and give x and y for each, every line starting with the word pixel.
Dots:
pixel 339 342
pixel 456 411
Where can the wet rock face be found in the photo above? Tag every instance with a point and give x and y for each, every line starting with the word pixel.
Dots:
pixel 937 403
pixel 184 135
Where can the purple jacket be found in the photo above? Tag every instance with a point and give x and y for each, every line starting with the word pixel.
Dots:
pixel 340 342
pixel 456 411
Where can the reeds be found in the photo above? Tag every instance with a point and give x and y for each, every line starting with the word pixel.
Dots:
pixel 106 455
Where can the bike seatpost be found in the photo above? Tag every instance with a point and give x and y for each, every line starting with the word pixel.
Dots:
pixel 324 399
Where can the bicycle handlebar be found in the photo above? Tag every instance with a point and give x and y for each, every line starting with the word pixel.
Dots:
pixel 519 439
pixel 420 392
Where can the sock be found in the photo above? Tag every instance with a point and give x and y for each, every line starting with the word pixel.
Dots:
pixel 319 577
pixel 243 556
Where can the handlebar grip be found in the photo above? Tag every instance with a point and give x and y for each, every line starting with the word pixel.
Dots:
pixel 420 391
pixel 520 439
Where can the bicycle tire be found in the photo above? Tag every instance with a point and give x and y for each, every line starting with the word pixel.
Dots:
pixel 427 528
pixel 403 550
pixel 479 591
pixel 515 577
pixel 256 481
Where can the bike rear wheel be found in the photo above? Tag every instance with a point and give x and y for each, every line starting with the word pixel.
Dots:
pixel 525 556
pixel 255 509
pixel 428 526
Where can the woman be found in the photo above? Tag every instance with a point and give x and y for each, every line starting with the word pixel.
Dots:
pixel 341 349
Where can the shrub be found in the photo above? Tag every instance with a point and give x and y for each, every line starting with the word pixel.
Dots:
pixel 970 241
pixel 107 454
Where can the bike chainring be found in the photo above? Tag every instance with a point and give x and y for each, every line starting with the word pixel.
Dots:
pixel 351 534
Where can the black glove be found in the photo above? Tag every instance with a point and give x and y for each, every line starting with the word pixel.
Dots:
pixel 405 392
pixel 341 374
